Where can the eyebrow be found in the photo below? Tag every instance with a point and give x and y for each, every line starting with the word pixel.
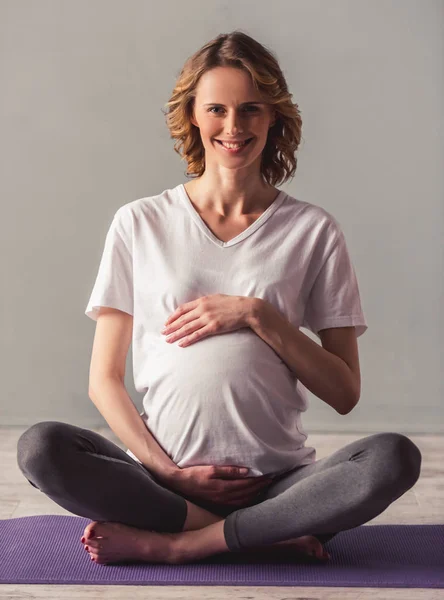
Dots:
pixel 243 103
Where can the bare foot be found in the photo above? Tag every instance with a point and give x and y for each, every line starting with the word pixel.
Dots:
pixel 307 545
pixel 115 542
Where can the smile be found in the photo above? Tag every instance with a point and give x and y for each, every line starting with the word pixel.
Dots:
pixel 232 147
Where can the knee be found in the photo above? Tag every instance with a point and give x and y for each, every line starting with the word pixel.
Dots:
pixel 403 458
pixel 37 445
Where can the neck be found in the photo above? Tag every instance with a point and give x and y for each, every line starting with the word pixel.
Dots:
pixel 230 200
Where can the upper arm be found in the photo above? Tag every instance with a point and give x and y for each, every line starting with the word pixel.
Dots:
pixel 111 343
pixel 342 342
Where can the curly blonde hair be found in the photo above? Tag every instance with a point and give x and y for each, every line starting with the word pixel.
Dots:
pixel 240 51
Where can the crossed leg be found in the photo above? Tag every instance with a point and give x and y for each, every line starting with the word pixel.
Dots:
pixel 92 477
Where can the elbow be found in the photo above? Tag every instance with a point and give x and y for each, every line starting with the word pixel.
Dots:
pixel 98 384
pixel 91 390
pixel 350 398
pixel 349 406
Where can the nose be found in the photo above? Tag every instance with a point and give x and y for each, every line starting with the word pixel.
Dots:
pixel 233 124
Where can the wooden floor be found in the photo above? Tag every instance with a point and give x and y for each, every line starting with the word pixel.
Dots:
pixel 424 503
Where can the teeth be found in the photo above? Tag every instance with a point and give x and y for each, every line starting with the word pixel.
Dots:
pixel 233 145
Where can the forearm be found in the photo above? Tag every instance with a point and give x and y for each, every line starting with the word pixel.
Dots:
pixel 323 373
pixel 114 403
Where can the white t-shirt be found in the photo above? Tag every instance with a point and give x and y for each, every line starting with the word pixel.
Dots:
pixel 227 399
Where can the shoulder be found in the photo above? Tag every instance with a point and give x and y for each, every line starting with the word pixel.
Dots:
pixel 320 226
pixel 146 205
pixel 130 213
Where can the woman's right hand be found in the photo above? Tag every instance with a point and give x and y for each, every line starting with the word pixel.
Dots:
pixel 219 484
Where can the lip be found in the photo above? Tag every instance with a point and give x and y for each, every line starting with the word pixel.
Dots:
pixel 240 150
pixel 233 141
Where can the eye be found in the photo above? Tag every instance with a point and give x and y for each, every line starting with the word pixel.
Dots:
pixel 255 108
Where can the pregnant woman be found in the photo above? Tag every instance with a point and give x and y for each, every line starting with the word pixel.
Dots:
pixel 211 281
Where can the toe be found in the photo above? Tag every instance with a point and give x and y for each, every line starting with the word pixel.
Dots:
pixel 315 548
pixel 91 529
pixel 93 544
pixel 96 556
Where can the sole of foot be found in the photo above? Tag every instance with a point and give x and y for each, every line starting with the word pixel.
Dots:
pixel 307 545
pixel 114 543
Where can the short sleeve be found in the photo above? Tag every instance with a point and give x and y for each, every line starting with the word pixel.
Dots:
pixel 334 300
pixel 114 282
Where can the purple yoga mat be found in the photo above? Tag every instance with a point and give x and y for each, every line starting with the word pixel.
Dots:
pixel 46 549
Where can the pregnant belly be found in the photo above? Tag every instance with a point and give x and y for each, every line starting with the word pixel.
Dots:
pixel 226 391
pixel 227 359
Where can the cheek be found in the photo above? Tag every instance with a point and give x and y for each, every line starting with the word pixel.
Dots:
pixel 209 129
pixel 210 133
pixel 209 140
pixel 206 135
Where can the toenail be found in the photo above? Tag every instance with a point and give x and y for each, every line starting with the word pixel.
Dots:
pixel 83 540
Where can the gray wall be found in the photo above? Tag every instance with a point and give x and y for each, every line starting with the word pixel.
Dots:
pixel 83 84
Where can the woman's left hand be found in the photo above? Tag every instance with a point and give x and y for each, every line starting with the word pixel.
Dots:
pixel 209 315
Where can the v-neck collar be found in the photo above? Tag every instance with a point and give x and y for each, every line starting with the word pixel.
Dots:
pixel 244 234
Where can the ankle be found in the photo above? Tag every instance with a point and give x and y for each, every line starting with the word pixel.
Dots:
pixel 179 550
pixel 193 545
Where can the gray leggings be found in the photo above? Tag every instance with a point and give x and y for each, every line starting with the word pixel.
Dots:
pixel 92 477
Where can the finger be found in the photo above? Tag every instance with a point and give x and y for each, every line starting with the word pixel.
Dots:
pixel 197 335
pixel 179 327
pixel 175 324
pixel 182 309
pixel 243 487
pixel 238 485
pixel 186 342
pixel 189 334
pixel 264 479
pixel 251 483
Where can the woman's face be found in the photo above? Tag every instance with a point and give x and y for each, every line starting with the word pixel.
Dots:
pixel 221 112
